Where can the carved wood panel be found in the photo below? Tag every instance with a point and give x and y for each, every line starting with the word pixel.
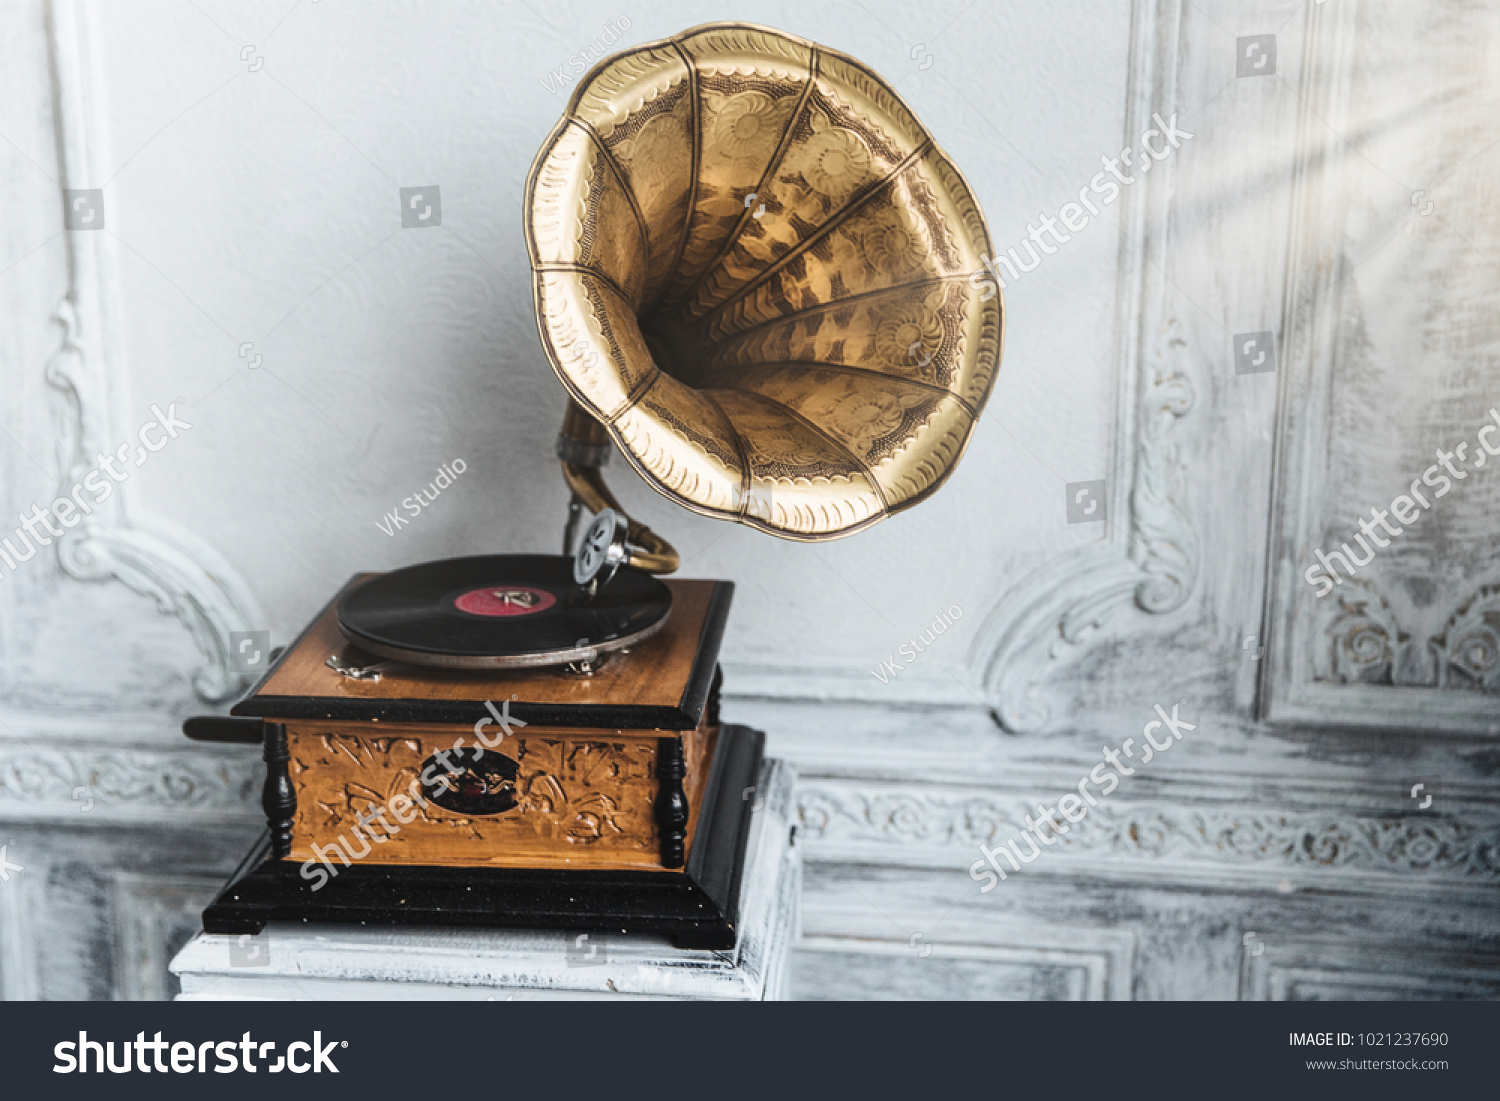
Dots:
pixel 569 797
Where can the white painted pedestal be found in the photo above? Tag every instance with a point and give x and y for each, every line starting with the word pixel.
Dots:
pixel 331 962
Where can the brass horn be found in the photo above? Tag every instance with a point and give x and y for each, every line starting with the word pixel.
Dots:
pixel 760 277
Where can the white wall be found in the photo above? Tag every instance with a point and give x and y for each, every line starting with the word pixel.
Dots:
pixel 263 207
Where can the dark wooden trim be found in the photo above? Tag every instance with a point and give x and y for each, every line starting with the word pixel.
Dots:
pixel 671 801
pixel 718 857
pixel 468 712
pixel 685 716
pixel 278 797
pixel 711 711
pixel 698 906
pixel 700 682
pixel 224 728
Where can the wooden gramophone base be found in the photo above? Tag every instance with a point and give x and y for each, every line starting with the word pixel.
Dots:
pixel 697 907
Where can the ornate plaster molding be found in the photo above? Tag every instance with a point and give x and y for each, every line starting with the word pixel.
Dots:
pixel 1150 561
pixel 1426 847
pixel 1468 650
pixel 1365 643
pixel 186 577
pixel 132 783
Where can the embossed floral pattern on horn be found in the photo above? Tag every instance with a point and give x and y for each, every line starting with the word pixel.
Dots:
pixel 753 237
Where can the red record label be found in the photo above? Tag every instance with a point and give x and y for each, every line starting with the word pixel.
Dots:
pixel 505 600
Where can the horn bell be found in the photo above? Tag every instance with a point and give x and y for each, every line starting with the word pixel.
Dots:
pixel 756 269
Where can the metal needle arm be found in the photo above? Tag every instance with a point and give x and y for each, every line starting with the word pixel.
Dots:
pixel 583 446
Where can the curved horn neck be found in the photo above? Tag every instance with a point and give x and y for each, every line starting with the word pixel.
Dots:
pixel 583 446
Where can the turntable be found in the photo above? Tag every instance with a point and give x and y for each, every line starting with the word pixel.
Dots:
pixel 759 279
pixel 509 612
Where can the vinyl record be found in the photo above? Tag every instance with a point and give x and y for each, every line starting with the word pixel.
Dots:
pixel 499 611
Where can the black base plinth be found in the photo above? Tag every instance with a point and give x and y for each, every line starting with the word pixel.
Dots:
pixel 698 907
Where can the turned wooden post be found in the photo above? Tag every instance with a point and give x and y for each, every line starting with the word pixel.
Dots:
pixel 278 797
pixel 711 710
pixel 671 801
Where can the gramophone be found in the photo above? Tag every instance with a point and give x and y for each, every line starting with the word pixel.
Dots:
pixel 760 280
